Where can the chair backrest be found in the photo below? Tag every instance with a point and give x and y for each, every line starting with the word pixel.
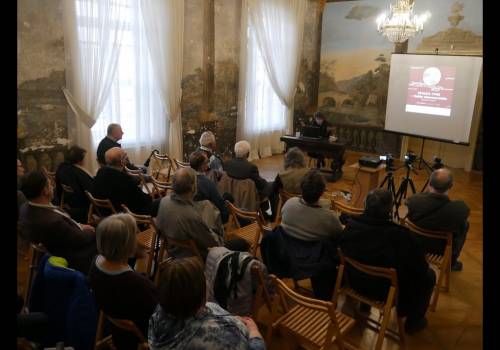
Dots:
pixel 244 192
pixel 283 196
pixel 446 237
pixel 65 189
pixel 160 188
pixel 96 208
pixel 286 294
pixel 36 251
pixel 236 213
pixel 180 164
pixel 129 326
pixel 343 208
pixel 50 175
pixel 343 284
pixel 262 295
pixel 163 166
pixel 138 174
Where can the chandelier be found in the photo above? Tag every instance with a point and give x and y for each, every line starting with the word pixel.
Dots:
pixel 401 23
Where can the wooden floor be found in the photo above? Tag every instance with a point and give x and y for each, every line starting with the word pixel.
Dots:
pixel 457 323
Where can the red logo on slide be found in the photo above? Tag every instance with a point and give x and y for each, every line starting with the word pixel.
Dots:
pixel 430 90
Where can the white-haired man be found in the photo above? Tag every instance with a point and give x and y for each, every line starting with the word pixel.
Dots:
pixel 240 168
pixel 208 145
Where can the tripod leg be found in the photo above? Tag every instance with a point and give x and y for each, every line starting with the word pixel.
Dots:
pixel 412 185
pixel 425 186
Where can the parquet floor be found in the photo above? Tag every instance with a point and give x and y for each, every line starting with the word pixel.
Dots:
pixel 457 323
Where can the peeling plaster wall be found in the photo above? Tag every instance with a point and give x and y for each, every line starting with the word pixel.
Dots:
pixel 41 108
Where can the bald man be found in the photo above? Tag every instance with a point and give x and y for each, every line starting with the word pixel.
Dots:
pixel 433 210
pixel 113 183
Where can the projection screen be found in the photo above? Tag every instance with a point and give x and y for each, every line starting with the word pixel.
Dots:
pixel 432 96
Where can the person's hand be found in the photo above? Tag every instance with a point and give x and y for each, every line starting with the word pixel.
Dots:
pixel 253 330
pixel 87 228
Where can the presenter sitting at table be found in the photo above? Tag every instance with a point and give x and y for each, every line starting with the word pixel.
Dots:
pixel 325 130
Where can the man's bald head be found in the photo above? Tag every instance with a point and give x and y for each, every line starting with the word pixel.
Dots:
pixel 184 181
pixel 441 180
pixel 115 156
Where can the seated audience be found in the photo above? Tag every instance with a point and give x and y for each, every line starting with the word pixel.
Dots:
pixel 72 173
pixel 21 199
pixel 374 239
pixel 303 218
pixel 206 189
pixel 178 218
pixel 42 222
pixel 113 183
pixel 114 134
pixel 208 146
pixel 434 210
pixel 240 168
pixel 120 291
pixel 184 320
pixel 295 169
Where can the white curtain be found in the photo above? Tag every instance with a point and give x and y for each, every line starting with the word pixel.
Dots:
pixel 134 101
pixel 164 22
pixel 271 47
pixel 93 30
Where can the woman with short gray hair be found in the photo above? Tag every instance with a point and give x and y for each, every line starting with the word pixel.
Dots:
pixel 120 291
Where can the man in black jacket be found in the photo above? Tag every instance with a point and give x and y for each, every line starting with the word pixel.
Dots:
pixel 42 222
pixel 434 210
pixel 113 183
pixel 114 134
pixel 374 239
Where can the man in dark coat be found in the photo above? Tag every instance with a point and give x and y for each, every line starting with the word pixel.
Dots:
pixel 434 210
pixel 42 222
pixel 374 239
pixel 113 183
pixel 114 134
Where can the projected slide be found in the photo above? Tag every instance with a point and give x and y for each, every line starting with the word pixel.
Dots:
pixel 430 90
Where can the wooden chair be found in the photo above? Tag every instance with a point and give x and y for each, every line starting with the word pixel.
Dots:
pixel 244 192
pixel 126 325
pixel 96 213
pixel 441 261
pixel 162 166
pixel 161 266
pixel 179 164
pixel 160 188
pixel 342 208
pixel 139 175
pixel 251 233
pixel 262 296
pixel 343 287
pixel 36 251
pixel 100 340
pixel 66 191
pixel 312 323
pixel 51 175
pixel 283 196
pixel 148 238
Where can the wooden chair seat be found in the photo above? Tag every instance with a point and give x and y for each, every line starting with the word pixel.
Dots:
pixel 251 233
pixel 313 324
pixel 247 233
pixel 435 259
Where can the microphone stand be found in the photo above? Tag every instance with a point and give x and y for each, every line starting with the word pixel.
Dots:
pixel 146 163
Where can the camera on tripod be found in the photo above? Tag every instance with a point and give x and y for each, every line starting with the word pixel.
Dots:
pixel 438 164
pixel 389 162
pixel 410 157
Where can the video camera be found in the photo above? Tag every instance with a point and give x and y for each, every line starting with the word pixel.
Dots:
pixel 438 164
pixel 389 161
pixel 410 157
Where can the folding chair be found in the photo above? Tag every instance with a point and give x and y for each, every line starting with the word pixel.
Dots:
pixel 97 209
pixel 283 196
pixel 126 325
pixel 161 171
pixel 179 164
pixel 36 251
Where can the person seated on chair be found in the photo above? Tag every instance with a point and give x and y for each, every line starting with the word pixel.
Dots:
pixel 178 218
pixel 42 222
pixel 121 292
pixel 206 189
pixel 208 146
pixel 433 210
pixel 373 239
pixel 113 183
pixel 114 134
pixel 185 320
pixel 295 168
pixel 325 131
pixel 72 173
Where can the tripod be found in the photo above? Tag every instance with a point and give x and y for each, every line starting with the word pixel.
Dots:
pixel 389 179
pixel 403 189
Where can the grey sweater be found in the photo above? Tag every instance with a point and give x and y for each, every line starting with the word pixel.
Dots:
pixel 309 223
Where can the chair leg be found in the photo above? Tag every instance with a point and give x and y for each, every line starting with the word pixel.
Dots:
pixel 401 330
pixel 447 278
pixel 383 328
pixel 437 290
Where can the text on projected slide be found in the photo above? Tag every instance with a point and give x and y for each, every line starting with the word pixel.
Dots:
pixel 430 90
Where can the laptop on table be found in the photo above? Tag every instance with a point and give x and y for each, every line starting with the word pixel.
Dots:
pixel 311 132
